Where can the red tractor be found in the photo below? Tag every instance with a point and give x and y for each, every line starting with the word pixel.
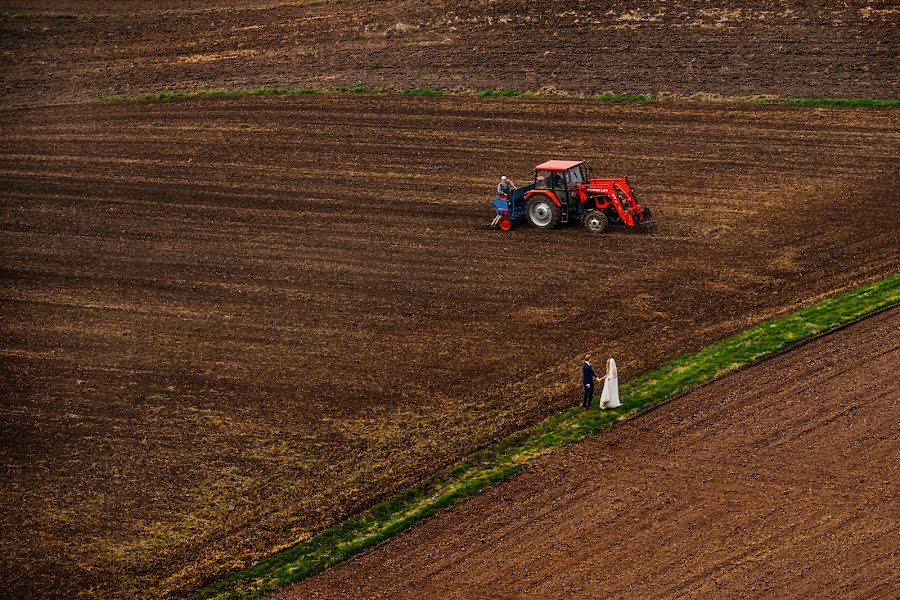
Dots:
pixel 562 192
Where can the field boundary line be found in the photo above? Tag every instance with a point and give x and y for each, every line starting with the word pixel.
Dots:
pixel 506 458
pixel 615 97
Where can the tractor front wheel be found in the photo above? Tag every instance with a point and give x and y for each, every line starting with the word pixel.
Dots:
pixel 542 212
pixel 595 221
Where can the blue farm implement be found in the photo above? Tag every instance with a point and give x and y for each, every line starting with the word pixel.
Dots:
pixel 562 192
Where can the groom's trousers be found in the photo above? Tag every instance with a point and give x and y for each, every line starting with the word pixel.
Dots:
pixel 588 396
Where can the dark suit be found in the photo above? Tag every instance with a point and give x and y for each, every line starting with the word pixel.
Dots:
pixel 587 379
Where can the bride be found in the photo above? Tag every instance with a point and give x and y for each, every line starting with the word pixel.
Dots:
pixel 609 398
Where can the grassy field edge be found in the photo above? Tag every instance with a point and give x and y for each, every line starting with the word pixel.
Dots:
pixel 511 93
pixel 509 456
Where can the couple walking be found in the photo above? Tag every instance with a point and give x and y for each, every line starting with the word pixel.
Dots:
pixel 609 397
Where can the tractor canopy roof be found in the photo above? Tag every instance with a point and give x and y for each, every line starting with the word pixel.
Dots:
pixel 558 165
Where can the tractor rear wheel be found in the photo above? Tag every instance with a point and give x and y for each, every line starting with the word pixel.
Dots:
pixel 595 221
pixel 542 212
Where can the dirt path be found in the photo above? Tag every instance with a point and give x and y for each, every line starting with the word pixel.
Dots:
pixel 727 47
pixel 777 481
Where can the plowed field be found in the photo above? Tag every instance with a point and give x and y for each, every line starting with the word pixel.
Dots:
pixel 780 481
pixel 228 323
pixel 731 48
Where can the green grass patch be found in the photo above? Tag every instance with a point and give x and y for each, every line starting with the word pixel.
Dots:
pixel 422 92
pixel 610 97
pixel 833 102
pixel 509 456
pixel 496 93
pixel 268 90
pixel 14 13
pixel 361 89
pixel 166 96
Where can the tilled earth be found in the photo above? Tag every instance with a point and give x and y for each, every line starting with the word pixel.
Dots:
pixel 228 323
pixel 80 51
pixel 777 481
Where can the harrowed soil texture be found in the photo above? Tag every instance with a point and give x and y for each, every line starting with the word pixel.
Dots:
pixel 228 323
pixel 779 481
pixel 789 49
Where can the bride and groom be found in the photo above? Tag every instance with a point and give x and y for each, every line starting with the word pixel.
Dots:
pixel 609 397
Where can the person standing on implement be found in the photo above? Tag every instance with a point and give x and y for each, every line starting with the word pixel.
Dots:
pixel 587 379
pixel 504 188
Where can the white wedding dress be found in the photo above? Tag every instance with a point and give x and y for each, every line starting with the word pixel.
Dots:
pixel 609 398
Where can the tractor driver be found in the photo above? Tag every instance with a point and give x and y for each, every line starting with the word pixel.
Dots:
pixel 505 187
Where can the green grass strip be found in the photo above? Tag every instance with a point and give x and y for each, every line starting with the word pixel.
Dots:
pixel 422 91
pixel 833 102
pixel 489 93
pixel 361 89
pixel 509 456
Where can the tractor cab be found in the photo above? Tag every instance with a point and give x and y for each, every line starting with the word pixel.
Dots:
pixel 561 178
pixel 563 191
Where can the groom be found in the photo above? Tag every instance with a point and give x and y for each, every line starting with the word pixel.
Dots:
pixel 587 379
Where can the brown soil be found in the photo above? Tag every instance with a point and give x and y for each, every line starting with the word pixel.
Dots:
pixel 228 323
pixel 799 49
pixel 780 481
